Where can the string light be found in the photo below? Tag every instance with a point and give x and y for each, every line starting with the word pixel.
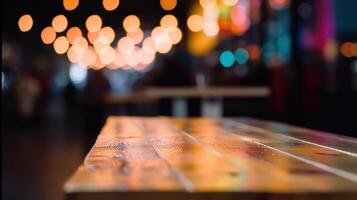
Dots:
pixel 48 35
pixel 195 23
pixel 61 45
pixel 110 5
pixel 168 4
pixel 59 23
pixel 25 23
pixel 70 5
pixel 93 23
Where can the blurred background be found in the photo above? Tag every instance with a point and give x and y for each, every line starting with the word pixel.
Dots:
pixel 68 64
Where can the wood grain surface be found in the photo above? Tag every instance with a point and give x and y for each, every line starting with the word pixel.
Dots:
pixel 201 158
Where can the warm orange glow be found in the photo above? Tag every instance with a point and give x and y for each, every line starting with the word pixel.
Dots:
pixel 254 52
pixel 107 55
pixel 106 35
pixel 98 46
pixel 346 49
pixel 118 61
pixel 89 57
pixel 93 23
pixel 73 33
pixel 211 28
pixel 61 45
pixel 195 23
pixel 72 55
pixel 110 5
pixel 175 35
pixel 25 23
pixel 92 36
pixel 145 58
pixel 48 35
pixel 137 36
pixel 81 42
pixel 230 2
pixel 126 45
pixel 168 4
pixel 70 4
pixel 161 40
pixel 208 4
pixel 168 21
pixel 148 46
pixel 131 23
pixel 59 23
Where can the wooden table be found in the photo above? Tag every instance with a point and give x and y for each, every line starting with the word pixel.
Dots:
pixel 201 158
pixel 211 97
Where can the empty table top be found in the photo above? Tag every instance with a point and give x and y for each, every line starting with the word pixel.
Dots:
pixel 201 158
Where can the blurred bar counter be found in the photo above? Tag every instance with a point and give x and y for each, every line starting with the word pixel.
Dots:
pixel 211 97
pixel 203 158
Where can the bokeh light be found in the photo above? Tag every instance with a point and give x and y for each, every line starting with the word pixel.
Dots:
pixel 61 45
pixel 230 2
pixel 48 35
pixel 175 35
pixel 107 55
pixel 70 4
pixel 278 4
pixel 195 23
pixel 25 23
pixel 161 40
pixel 110 5
pixel 241 56
pixel 148 46
pixel 106 35
pixel 73 33
pixel 254 52
pixel 137 36
pixel 208 4
pixel 211 28
pixel 168 4
pixel 168 21
pixel 131 23
pixel 126 45
pixel 346 49
pixel 227 59
pixel 94 23
pixel 59 23
pixel 92 36
pixel 77 73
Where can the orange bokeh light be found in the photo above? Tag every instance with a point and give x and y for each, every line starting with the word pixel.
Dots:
pixel 73 33
pixel 25 23
pixel 110 5
pixel 92 36
pixel 168 21
pixel 208 4
pixel 175 35
pixel 347 49
pixel 137 36
pixel 195 23
pixel 59 23
pixel 48 35
pixel 126 45
pixel 70 4
pixel 106 35
pixel 61 45
pixel 131 23
pixel 168 4
pixel 94 23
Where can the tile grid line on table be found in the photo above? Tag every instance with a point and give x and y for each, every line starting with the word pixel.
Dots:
pixel 249 127
pixel 184 180
pixel 346 175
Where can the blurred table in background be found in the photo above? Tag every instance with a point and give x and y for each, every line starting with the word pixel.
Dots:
pixel 202 158
pixel 211 105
